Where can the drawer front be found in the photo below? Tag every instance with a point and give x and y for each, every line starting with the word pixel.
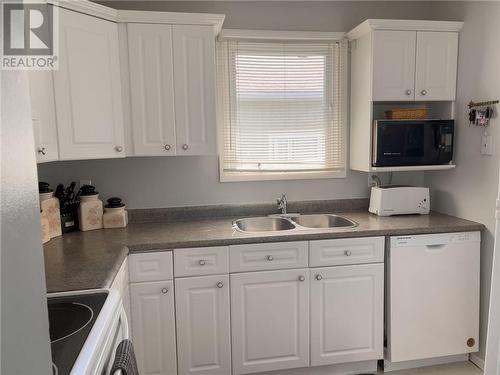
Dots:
pixel 201 261
pixel 268 256
pixel 346 251
pixel 155 266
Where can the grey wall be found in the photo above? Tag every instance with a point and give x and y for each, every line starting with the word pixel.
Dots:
pixel 470 190
pixel 178 181
pixel 292 15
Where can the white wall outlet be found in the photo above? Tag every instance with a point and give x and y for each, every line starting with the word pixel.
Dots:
pixel 486 145
pixel 371 181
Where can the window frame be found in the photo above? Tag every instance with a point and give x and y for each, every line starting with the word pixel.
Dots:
pixel 280 36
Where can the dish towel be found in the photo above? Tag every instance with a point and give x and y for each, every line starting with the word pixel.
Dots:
pixel 125 359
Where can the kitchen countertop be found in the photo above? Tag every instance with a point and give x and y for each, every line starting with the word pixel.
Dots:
pixel 90 260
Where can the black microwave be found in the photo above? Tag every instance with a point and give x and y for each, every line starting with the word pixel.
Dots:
pixel 412 142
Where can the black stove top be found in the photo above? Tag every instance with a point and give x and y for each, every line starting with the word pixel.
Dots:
pixel 71 319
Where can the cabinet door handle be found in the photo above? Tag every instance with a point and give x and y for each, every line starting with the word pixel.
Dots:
pixel 302 278
pixel 185 146
pixel 220 284
pixel 348 253
pixel 319 277
pixel 423 92
pixel 167 147
pixel 270 258
pixel 164 290
pixel 119 148
pixel 202 262
pixel 408 92
pixel 41 150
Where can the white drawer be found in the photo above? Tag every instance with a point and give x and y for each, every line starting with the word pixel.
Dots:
pixel 156 266
pixel 346 251
pixel 267 256
pixel 200 261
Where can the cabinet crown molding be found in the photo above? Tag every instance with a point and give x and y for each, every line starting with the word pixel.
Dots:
pixel 402 25
pixel 137 16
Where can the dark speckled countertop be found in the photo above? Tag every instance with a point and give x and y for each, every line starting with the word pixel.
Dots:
pixel 88 260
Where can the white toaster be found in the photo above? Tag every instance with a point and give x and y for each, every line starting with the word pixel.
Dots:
pixel 399 200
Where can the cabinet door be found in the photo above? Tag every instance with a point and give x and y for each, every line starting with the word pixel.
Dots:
pixel 203 331
pixel 151 88
pixel 153 327
pixel 394 65
pixel 43 114
pixel 270 320
pixel 347 314
pixel 194 83
pixel 436 72
pixel 87 88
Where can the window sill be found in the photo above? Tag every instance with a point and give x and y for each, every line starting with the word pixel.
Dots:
pixel 226 176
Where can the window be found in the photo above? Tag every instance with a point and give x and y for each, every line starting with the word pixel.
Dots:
pixel 283 109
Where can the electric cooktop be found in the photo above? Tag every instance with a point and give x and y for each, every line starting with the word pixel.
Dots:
pixel 71 318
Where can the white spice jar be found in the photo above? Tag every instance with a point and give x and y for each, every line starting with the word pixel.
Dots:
pixel 91 209
pixel 115 215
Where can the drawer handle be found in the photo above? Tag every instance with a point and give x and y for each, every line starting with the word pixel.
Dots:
pixel 319 277
pixel 348 253
pixel 220 284
pixel 302 278
pixel 270 258
pixel 41 150
pixel 202 262
pixel 164 290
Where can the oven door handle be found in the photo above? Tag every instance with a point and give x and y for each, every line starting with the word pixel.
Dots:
pixel 124 322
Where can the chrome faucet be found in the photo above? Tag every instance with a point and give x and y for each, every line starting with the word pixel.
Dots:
pixel 282 204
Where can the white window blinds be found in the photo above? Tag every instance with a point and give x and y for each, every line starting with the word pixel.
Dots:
pixel 283 107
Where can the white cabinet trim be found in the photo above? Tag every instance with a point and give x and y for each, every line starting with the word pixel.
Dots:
pixel 415 25
pixel 110 14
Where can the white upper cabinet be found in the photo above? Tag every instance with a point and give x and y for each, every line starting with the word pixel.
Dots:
pixel 270 320
pixel 436 67
pixel 347 314
pixel 88 88
pixel 394 65
pixel 172 89
pixel 151 89
pixel 194 87
pixel 43 114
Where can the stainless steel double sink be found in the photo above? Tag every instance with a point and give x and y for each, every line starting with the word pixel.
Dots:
pixel 277 223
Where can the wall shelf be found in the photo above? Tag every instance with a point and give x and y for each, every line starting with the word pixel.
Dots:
pixel 414 168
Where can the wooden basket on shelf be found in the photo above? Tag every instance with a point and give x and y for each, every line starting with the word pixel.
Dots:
pixel 406 114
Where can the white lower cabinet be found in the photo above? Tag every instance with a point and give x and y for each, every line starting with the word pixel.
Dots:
pixel 259 320
pixel 153 327
pixel 347 307
pixel 203 328
pixel 270 320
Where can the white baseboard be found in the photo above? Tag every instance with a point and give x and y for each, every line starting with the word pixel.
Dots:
pixel 396 366
pixel 354 368
pixel 477 360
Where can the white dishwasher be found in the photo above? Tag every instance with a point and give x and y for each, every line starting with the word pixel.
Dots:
pixel 432 296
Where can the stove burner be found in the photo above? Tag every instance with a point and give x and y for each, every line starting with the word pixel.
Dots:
pixel 68 318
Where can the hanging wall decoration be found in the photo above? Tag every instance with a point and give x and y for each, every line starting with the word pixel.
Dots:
pixel 480 113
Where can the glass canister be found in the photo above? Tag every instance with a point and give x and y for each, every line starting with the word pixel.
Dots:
pixel 91 209
pixel 115 215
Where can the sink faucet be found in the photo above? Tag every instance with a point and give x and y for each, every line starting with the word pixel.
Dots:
pixel 282 204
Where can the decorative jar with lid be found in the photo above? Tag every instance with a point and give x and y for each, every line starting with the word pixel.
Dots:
pixel 49 206
pixel 115 215
pixel 91 209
